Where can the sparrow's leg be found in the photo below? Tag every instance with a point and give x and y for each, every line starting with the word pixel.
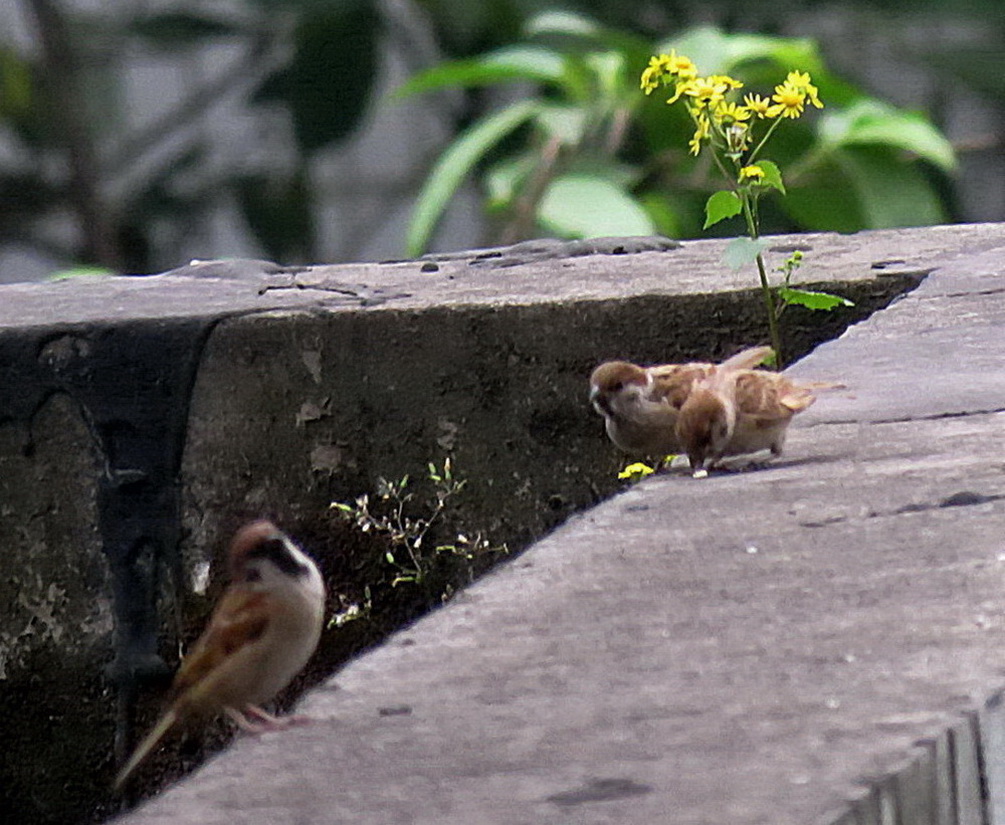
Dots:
pixel 239 719
pixel 261 721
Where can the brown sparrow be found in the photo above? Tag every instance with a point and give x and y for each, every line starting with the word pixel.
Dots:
pixel 264 629
pixel 734 412
pixel 640 405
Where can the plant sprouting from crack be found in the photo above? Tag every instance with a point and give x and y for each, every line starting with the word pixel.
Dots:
pixel 414 552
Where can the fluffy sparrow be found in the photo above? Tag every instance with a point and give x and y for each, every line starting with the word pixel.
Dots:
pixel 640 405
pixel 262 632
pixel 734 412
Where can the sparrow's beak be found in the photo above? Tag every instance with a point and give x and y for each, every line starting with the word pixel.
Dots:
pixel 599 401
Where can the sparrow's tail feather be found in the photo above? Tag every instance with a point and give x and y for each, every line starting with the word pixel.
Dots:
pixel 797 399
pixel 165 724
pixel 822 385
pixel 747 359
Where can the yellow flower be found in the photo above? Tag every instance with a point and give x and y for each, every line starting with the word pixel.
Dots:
pixel 798 79
pixel 702 132
pixel 751 173
pixel 801 81
pixel 679 89
pixel 637 470
pixel 682 67
pixel 730 113
pixel 730 82
pixel 659 65
pixel 706 91
pixel 789 101
pixel 760 106
pixel 664 66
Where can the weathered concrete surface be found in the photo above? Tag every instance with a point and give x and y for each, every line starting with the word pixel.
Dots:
pixel 808 643
pixel 282 389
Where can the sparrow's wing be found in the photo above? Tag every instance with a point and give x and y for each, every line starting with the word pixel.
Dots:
pixel 673 382
pixel 747 359
pixel 768 396
pixel 241 617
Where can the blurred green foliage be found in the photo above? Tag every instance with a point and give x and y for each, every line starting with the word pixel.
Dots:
pixel 131 192
pixel 581 153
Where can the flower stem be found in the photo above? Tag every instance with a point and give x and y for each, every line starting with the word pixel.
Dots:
pixel 762 273
pixel 771 129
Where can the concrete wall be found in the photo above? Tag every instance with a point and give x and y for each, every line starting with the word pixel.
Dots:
pixel 143 418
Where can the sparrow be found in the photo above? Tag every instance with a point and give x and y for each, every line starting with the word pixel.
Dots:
pixel 739 411
pixel 640 405
pixel 264 629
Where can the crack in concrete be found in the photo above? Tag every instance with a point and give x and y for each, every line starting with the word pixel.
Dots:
pixel 962 498
pixel 365 295
pixel 904 420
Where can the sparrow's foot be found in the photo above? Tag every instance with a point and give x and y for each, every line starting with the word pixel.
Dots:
pixel 676 463
pixel 252 719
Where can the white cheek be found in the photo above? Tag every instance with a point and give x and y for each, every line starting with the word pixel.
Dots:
pixel 633 395
pixel 315 584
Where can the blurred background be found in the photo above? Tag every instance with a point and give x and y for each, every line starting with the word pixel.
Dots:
pixel 136 135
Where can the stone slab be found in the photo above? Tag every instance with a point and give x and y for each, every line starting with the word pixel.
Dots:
pixel 759 647
pixel 542 273
pixel 141 418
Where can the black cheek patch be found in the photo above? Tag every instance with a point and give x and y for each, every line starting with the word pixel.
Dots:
pixel 274 550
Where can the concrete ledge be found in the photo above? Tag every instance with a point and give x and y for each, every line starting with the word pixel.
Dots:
pixel 817 642
pixel 156 412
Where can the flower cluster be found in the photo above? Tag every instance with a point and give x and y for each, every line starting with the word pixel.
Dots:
pixel 727 123
pixel 636 471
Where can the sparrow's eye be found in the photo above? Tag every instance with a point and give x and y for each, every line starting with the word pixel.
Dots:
pixel 618 386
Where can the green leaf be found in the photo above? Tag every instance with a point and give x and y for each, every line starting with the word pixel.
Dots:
pixel 16 84
pixel 865 187
pixel 829 202
pixel 455 164
pixel 743 251
pixel 80 272
pixel 534 63
pixel 663 214
pixel 772 175
pixel 328 82
pixel 590 206
pixel 722 205
pixel 608 68
pixel 714 51
pixel 278 211
pixel 554 25
pixel 890 193
pixel 870 121
pixel 502 181
pixel 562 22
pixel 567 123
pixel 812 300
